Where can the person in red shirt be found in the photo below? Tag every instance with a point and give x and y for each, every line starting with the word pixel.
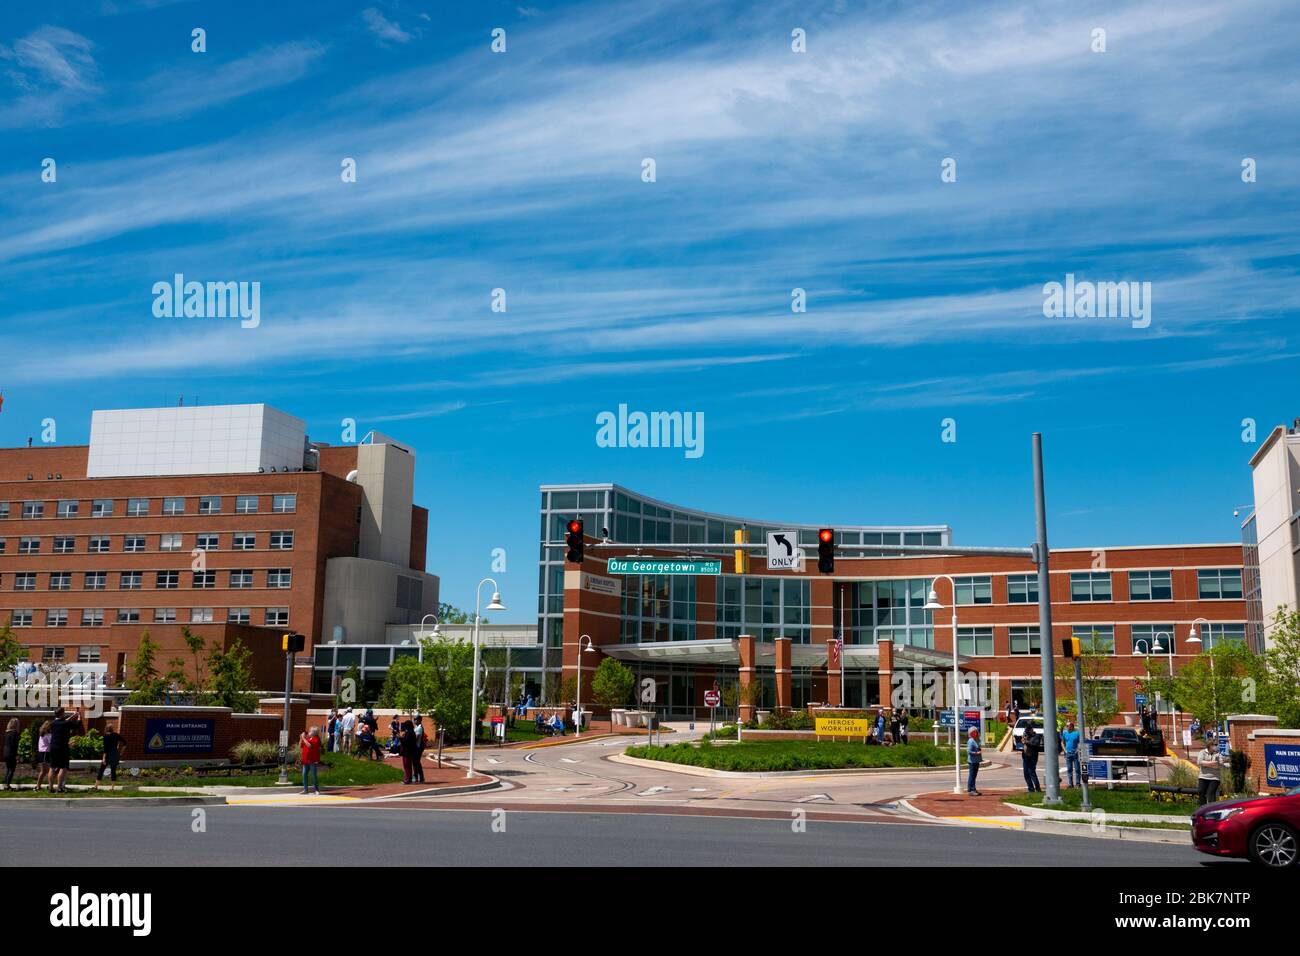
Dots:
pixel 310 744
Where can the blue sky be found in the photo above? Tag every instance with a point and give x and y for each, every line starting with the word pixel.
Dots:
pixel 775 170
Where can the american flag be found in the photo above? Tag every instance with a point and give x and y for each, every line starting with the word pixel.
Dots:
pixel 836 647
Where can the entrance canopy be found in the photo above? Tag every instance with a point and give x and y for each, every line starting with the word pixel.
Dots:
pixel 726 651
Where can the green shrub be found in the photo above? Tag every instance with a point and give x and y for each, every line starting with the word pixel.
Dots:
pixel 1238 764
pixel 772 755
pixel 89 746
pixel 254 751
pixel 1181 776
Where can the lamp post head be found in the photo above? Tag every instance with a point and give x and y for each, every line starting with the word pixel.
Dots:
pixel 932 602
pixel 496 604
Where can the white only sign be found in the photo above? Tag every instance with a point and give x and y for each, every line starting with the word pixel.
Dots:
pixel 783 551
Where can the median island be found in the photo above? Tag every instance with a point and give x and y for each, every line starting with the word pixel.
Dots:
pixel 775 755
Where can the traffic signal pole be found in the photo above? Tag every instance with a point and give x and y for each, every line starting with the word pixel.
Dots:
pixel 1053 795
pixel 284 730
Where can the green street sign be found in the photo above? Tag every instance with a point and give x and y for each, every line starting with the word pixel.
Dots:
pixel 662 566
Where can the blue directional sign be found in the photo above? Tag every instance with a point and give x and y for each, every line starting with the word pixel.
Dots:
pixel 1282 765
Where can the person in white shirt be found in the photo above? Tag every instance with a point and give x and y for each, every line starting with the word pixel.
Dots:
pixel 349 730
pixel 1210 763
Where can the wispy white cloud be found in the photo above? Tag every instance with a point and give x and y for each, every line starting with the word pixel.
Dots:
pixel 384 28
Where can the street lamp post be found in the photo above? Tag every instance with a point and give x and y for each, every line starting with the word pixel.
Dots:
pixel 932 604
pixel 577 718
pixel 419 649
pixel 1173 705
pixel 495 605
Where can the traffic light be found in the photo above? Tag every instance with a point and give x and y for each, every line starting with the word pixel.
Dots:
pixel 741 536
pixel 1070 647
pixel 826 550
pixel 574 541
pixel 293 643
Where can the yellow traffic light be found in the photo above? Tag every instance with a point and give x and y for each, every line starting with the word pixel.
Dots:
pixel 742 555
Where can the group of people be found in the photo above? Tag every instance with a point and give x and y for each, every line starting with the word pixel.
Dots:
pixel 890 726
pixel 52 751
pixel 1031 746
pixel 349 733
pixel 553 725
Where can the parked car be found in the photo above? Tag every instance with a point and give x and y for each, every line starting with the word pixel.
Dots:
pixel 1265 829
pixel 1018 731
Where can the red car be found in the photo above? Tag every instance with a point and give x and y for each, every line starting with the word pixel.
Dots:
pixel 1265 829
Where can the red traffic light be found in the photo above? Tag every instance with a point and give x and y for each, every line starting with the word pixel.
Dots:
pixel 575 526
pixel 826 534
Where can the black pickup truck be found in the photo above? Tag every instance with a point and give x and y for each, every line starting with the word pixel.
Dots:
pixel 1127 742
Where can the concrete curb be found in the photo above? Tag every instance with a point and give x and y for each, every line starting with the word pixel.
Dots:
pixel 183 801
pixel 1043 813
pixel 432 793
pixel 762 774
pixel 1109 832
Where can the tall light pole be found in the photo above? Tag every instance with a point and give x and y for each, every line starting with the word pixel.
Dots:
pixel 577 727
pixel 496 605
pixel 1194 638
pixel 1048 665
pixel 1173 706
pixel 932 604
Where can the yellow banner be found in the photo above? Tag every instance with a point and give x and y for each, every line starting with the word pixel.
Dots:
pixel 843 726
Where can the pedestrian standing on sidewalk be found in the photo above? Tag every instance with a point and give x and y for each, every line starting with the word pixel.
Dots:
pixel 41 755
pixel 310 744
pixel 1070 746
pixel 1033 743
pixel 974 757
pixel 11 751
pixel 422 742
pixel 114 746
pixel 62 729
pixel 1209 763
pixel 410 750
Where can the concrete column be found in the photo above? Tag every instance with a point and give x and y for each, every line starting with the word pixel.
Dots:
pixel 834 675
pixel 748 672
pixel 784 674
pixel 885 647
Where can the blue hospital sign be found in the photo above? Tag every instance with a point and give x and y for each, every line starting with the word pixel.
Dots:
pixel 1282 765
pixel 179 735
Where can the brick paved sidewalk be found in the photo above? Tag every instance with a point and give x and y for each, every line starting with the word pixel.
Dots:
pixel 948 804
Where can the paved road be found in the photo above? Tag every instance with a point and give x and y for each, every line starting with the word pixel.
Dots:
pixel 378 835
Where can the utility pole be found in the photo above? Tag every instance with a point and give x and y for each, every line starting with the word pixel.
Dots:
pixel 1053 795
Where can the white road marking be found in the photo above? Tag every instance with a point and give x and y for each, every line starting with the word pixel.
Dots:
pixel 493 760
pixel 569 760
pixel 814 797
pixel 653 790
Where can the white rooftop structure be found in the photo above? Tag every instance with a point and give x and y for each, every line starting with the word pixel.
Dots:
pixel 194 440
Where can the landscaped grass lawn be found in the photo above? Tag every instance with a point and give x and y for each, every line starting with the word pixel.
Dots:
pixel 46 795
pixel 772 755
pixel 1130 800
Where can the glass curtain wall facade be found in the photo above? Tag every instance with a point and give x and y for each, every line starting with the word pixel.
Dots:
pixel 659 609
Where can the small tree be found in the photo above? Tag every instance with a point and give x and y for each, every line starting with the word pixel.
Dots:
pixel 612 683
pixel 1100 704
pixel 148 686
pixel 11 651
pixel 1280 693
pixel 232 679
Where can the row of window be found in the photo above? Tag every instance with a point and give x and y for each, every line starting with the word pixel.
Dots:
pixel 94 617
pixel 1093 586
pixel 163 580
pixel 140 507
pixel 1148 639
pixel 86 654
pixel 137 543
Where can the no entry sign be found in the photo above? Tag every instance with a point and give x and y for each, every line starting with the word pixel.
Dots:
pixel 712 698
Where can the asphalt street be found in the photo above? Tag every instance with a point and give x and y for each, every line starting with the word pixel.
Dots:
pixel 379 836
